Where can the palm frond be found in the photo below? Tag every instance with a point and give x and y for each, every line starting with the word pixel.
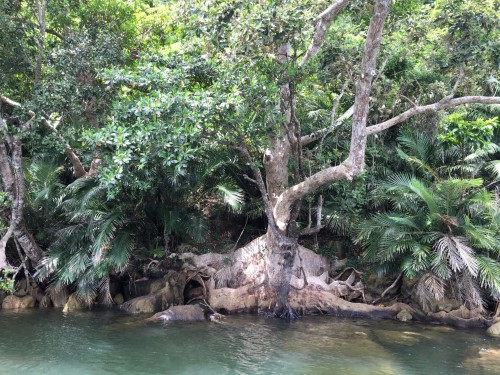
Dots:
pixel 232 195
pixel 494 168
pixel 430 287
pixel 455 251
pixel 489 275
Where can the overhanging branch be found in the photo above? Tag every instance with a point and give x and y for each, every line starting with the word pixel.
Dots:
pixel 441 105
pixel 324 21
pixel 309 138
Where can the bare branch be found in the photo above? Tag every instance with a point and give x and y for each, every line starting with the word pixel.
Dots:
pixel 309 230
pixel 78 168
pixel 441 105
pixel 246 177
pixel 309 138
pixel 55 33
pixel 388 288
pixel 10 102
pixel 364 85
pixel 457 84
pixel 334 112
pixel 324 21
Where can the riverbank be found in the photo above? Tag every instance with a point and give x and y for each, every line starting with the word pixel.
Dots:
pixel 113 342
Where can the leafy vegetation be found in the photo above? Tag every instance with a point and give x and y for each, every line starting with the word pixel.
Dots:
pixel 160 123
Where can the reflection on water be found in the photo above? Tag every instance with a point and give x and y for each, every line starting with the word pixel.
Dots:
pixel 110 342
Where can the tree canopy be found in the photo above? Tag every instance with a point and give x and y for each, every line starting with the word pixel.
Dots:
pixel 132 126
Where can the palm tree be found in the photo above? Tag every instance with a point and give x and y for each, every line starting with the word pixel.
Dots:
pixel 100 236
pixel 446 233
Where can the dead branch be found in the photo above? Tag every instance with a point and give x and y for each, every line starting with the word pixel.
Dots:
pixel 309 138
pixel 319 226
pixel 445 103
pixel 324 20
pixel 78 168
pixel 348 269
pixel 334 112
pixel 10 102
pixel 389 288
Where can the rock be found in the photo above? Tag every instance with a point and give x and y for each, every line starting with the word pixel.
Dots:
pixel 404 316
pixel 2 296
pixel 233 300
pixel 494 330
pixel 118 299
pixel 184 313
pixel 171 294
pixel 141 305
pixel 74 304
pixel 45 302
pixel 487 362
pixel 462 312
pixel 15 302
pixel 59 297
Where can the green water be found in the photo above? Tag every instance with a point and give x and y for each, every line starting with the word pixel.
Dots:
pixel 110 342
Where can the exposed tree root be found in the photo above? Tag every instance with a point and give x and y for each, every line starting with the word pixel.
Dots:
pixel 389 288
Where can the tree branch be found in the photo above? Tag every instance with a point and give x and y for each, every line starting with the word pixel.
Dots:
pixel 309 138
pixel 356 159
pixel 324 20
pixel 309 230
pixel 55 33
pixel 10 102
pixel 310 184
pixel 334 113
pixel 441 105
pixel 78 168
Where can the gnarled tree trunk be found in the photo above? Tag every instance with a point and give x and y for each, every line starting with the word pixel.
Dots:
pixel 282 201
pixel 12 176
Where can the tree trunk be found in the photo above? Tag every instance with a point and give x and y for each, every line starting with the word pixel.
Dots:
pixel 42 23
pixel 281 252
pixel 282 201
pixel 12 176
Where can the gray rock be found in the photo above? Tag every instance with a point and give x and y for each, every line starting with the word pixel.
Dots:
pixel 170 295
pixel 141 305
pixel 183 313
pixel 404 316
pixel 118 299
pixel 494 330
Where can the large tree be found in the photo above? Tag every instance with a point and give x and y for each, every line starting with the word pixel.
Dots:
pixel 280 178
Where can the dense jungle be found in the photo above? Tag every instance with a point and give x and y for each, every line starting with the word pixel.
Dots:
pixel 197 159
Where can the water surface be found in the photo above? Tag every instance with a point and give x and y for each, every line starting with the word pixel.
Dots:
pixel 111 342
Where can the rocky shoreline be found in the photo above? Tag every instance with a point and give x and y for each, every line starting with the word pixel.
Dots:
pixel 211 285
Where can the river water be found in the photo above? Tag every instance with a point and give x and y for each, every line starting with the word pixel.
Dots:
pixel 111 342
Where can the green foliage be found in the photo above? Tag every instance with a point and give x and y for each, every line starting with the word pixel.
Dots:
pixel 6 283
pixel 99 239
pixel 455 130
pixel 445 231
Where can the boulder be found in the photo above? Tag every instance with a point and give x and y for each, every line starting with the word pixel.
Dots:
pixel 45 302
pixel 2 296
pixel 494 330
pixel 233 300
pixel 59 297
pixel 170 294
pixel 141 305
pixel 15 302
pixel 183 313
pixel 404 316
pixel 118 299
pixel 74 304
